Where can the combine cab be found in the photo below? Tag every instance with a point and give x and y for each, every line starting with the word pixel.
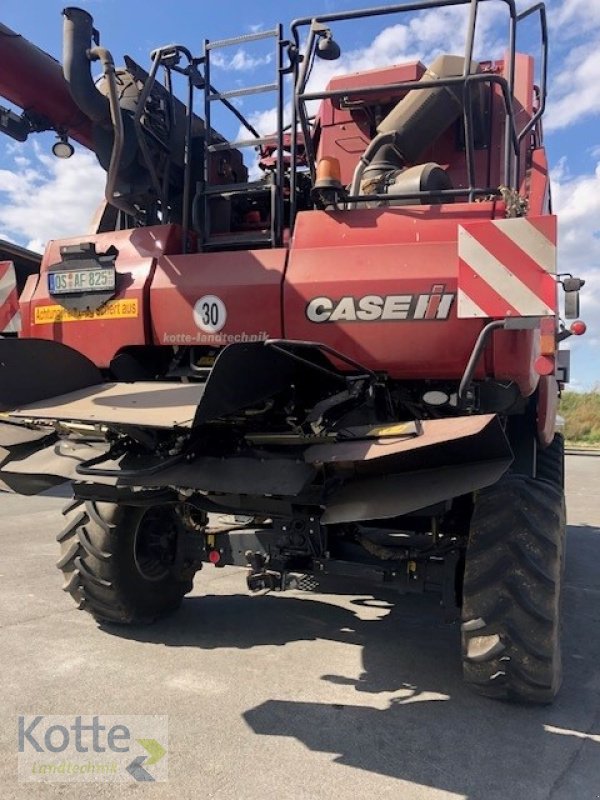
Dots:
pixel 354 358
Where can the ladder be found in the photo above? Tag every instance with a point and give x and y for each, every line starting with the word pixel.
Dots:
pixel 207 193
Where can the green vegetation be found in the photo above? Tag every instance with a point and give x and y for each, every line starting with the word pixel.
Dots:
pixel 581 413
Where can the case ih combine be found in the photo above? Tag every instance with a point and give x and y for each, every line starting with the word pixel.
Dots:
pixel 353 357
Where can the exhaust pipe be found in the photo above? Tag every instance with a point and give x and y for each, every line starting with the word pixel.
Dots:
pixel 77 40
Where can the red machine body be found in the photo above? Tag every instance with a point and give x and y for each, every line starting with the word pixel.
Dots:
pixel 350 361
pixel 345 135
pixel 408 253
pixel 267 293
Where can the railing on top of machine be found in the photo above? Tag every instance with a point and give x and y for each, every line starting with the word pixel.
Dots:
pixel 513 139
pixel 196 200
pixel 196 212
pixel 275 186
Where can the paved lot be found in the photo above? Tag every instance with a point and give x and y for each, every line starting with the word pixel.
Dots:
pixel 299 695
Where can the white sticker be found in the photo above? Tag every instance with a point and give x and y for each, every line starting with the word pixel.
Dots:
pixel 210 313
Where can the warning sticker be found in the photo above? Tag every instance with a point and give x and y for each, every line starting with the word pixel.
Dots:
pixel 115 309
pixel 210 313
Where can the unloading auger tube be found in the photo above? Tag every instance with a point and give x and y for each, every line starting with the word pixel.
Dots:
pixel 410 127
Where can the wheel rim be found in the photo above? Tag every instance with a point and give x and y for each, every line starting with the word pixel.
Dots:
pixel 155 543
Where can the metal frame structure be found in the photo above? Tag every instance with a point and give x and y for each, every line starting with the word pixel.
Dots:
pixel 275 187
pixel 513 139
pixel 299 67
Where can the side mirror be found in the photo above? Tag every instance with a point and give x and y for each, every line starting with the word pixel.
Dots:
pixel 571 305
pixel 572 286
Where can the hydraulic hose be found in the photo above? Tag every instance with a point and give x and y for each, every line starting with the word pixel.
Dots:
pixel 108 65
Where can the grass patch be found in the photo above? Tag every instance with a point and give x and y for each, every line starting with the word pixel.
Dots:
pixel 581 413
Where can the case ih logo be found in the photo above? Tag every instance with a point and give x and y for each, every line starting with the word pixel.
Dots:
pixel 382 308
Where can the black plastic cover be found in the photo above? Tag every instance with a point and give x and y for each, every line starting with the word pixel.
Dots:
pixel 36 369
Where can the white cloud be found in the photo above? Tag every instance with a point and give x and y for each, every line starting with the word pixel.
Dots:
pixel 572 17
pixel 46 198
pixel 240 61
pixel 423 37
pixel 576 201
pixel 574 88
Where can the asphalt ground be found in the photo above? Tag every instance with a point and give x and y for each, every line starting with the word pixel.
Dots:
pixel 299 695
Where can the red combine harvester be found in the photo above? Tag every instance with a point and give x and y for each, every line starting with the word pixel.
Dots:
pixel 353 358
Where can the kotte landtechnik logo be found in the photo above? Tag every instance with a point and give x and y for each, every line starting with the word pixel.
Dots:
pixel 93 748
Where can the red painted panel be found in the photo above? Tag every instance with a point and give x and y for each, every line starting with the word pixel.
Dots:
pixel 538 183
pixel 25 305
pixel 379 226
pixel 403 253
pixel 9 301
pixel 247 283
pixel 344 134
pixel 101 338
pixel 513 357
pixel 398 252
pixel 547 409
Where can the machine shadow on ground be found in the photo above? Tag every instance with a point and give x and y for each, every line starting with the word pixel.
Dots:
pixel 432 730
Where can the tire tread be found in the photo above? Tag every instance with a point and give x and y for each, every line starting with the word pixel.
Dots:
pixel 512 585
pixel 97 566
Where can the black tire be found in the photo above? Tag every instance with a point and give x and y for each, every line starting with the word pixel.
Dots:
pixel 512 591
pixel 550 463
pixel 110 570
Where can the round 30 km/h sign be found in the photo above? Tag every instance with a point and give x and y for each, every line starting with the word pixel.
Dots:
pixel 210 313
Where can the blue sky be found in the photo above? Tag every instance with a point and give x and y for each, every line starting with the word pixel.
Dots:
pixel 42 197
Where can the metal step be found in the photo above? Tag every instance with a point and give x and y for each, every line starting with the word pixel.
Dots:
pixel 154 404
pixel 244 39
pixel 258 89
pixel 237 188
pixel 275 188
pixel 242 239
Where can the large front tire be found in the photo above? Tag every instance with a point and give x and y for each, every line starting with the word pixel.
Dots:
pixel 115 561
pixel 512 591
pixel 550 462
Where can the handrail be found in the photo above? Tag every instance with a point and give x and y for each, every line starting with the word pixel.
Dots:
pixel 379 11
pixel 137 122
pixel 541 9
pixel 108 66
pixel 480 77
pixel 512 139
pixel 210 147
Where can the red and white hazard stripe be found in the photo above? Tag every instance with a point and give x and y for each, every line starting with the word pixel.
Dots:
pixel 507 268
pixel 10 318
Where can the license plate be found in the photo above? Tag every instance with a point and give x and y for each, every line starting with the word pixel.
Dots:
pixel 81 280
